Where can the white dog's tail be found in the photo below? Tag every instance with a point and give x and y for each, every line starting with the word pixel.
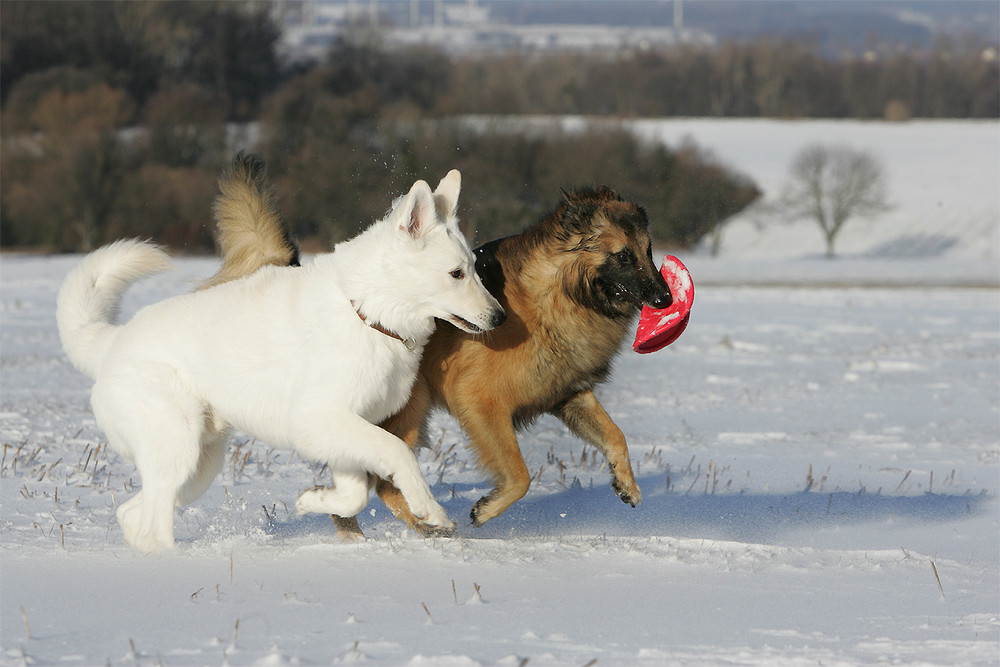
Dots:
pixel 91 293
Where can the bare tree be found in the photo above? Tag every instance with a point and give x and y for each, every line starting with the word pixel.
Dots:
pixel 833 184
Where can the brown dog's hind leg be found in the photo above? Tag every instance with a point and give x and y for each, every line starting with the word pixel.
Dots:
pixel 347 527
pixel 586 418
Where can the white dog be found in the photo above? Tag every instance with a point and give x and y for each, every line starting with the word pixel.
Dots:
pixel 305 358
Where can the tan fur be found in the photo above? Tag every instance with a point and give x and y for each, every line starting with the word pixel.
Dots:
pixel 546 358
pixel 251 231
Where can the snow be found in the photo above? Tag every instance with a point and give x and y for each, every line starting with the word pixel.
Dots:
pixel 819 456
pixel 942 184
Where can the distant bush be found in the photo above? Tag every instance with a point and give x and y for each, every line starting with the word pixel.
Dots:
pixel 896 111
pixel 186 126
pixel 337 183
pixel 61 182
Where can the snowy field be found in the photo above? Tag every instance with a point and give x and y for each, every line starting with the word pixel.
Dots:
pixel 942 184
pixel 819 455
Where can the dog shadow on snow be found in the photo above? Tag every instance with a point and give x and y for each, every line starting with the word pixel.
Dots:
pixel 742 517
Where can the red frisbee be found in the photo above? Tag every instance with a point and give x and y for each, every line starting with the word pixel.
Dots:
pixel 661 327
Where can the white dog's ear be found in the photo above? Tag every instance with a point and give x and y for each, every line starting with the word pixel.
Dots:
pixel 446 193
pixel 417 216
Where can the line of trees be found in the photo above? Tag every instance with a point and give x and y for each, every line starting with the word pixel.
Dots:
pixel 765 78
pixel 117 116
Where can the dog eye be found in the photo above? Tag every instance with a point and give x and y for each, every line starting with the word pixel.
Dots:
pixel 625 256
pixel 457 274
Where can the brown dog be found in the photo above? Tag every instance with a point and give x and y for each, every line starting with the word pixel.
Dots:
pixel 571 285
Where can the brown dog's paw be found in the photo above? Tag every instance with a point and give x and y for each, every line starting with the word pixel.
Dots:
pixel 435 531
pixel 347 528
pixel 629 493
pixel 477 513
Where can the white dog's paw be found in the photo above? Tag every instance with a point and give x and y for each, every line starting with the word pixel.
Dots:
pixel 326 500
pixel 148 540
pixel 311 501
pixel 149 543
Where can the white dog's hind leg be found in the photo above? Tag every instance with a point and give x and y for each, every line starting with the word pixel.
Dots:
pixel 155 530
pixel 128 515
pixel 347 497
pixel 150 416
pixel 213 450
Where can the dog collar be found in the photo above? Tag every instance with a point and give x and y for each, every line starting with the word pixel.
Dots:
pixel 408 343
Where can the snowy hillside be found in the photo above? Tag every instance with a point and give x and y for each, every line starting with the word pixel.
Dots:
pixel 820 469
pixel 942 185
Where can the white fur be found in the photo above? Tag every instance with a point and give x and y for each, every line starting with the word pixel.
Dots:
pixel 281 355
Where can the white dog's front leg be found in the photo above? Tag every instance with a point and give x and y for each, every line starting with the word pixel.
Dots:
pixel 347 497
pixel 363 446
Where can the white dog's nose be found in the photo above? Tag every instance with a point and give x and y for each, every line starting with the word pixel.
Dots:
pixel 499 317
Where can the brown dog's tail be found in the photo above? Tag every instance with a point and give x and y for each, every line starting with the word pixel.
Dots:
pixel 251 232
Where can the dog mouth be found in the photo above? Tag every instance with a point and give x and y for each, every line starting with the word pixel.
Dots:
pixel 493 320
pixel 465 325
pixel 622 293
